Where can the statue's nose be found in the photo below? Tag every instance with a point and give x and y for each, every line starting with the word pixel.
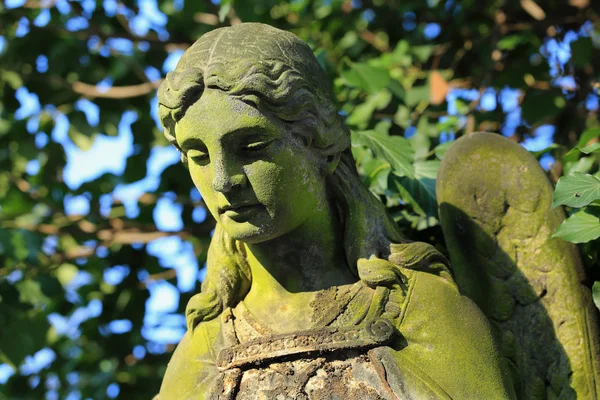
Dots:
pixel 227 177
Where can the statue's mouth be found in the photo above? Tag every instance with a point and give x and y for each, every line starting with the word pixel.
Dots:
pixel 236 207
pixel 239 212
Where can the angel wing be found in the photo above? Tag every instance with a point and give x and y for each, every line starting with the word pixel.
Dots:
pixel 494 202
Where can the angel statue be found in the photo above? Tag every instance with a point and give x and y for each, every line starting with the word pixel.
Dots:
pixel 312 292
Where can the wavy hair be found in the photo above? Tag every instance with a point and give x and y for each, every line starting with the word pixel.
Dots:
pixel 274 69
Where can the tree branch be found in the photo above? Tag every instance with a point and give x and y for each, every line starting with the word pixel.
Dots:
pixel 115 92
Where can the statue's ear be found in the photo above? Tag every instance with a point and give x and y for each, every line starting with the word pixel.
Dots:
pixel 332 162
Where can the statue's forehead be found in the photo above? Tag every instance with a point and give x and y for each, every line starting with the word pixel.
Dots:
pixel 216 113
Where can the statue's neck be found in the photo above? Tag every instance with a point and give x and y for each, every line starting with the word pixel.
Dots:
pixel 307 259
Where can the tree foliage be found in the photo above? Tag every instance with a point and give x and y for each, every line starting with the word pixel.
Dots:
pixel 98 219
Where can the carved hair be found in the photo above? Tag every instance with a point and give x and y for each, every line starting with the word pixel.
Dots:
pixel 274 69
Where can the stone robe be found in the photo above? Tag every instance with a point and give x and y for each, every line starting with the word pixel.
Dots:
pixel 419 340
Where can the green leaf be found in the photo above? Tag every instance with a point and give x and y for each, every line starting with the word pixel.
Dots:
pixel 421 144
pixel 376 171
pixel 400 54
pixel 13 79
pixel 440 150
pixel 588 135
pixel 65 273
pixel 540 153
pixel 361 114
pixel 417 94
pixel 576 190
pixel 224 10
pixel 402 117
pixel 581 227
pixel 421 189
pixel 583 165
pixel 592 148
pixel 572 155
pixel 395 149
pixel 596 294
pixel 397 89
pixel 370 79
pixel 422 52
pixel 512 41
pixel 31 292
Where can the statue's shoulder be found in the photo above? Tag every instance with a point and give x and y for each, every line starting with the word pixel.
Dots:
pixel 191 372
pixel 445 334
pixel 428 289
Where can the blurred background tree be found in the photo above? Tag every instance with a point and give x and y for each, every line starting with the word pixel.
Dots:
pixel 103 238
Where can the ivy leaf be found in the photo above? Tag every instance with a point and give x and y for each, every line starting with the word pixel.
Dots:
pixel 581 227
pixel 395 149
pixel 596 294
pixel 576 190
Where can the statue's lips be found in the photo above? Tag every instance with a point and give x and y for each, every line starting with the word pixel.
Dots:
pixel 240 212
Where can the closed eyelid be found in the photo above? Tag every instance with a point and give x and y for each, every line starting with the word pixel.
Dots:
pixel 257 141
pixel 196 152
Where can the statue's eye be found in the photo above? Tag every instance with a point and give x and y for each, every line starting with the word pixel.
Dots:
pixel 198 156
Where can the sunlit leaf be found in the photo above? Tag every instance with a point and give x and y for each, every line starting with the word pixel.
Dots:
pixel 581 227
pixel 576 190
pixel 66 272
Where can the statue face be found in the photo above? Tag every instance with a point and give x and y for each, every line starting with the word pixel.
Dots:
pixel 256 179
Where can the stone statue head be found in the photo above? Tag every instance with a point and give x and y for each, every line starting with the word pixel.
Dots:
pixel 250 82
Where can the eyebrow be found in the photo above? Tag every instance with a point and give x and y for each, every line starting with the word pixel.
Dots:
pixel 194 142
pixel 191 143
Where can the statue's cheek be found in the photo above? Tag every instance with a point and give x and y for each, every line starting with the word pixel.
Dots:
pixel 202 178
